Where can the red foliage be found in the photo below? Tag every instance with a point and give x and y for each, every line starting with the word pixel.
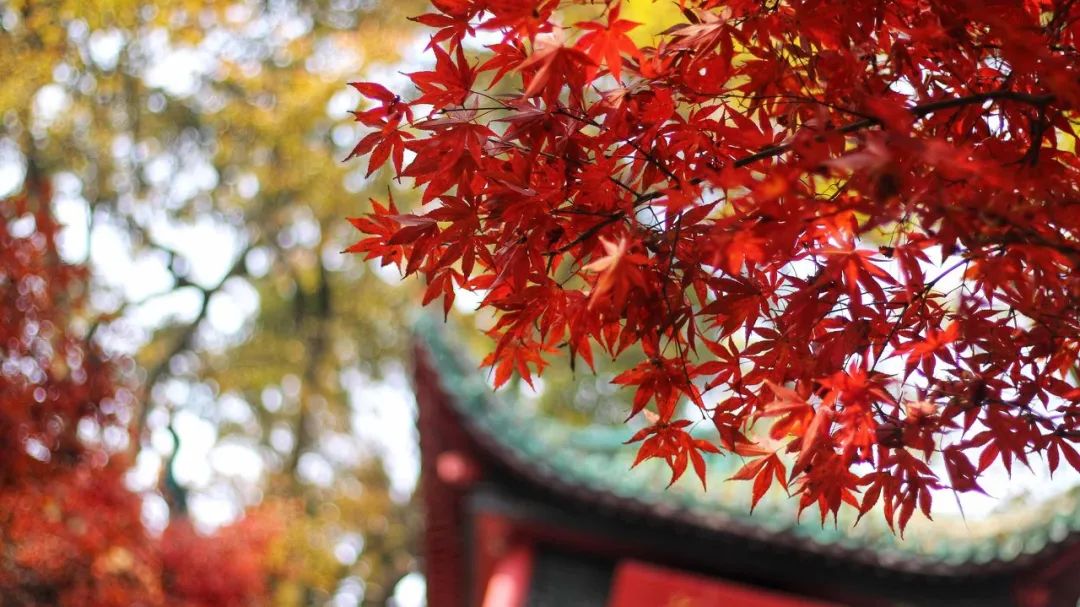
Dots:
pixel 228 568
pixel 50 379
pixel 71 531
pixel 858 219
pixel 76 540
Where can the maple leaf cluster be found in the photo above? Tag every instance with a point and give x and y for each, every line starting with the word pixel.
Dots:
pixel 71 530
pixel 847 233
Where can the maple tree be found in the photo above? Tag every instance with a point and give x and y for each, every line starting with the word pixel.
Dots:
pixel 72 531
pixel 855 225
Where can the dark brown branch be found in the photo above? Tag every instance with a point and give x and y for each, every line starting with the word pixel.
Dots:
pixel 187 335
pixel 919 111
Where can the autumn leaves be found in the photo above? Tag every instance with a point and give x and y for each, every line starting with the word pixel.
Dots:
pixel 772 204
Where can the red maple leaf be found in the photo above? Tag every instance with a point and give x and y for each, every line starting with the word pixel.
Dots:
pixel 607 43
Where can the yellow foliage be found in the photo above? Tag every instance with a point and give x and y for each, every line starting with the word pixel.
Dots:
pixel 655 16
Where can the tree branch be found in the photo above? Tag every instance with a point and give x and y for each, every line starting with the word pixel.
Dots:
pixel 187 335
pixel 919 111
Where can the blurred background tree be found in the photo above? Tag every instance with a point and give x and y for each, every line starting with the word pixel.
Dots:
pixel 195 151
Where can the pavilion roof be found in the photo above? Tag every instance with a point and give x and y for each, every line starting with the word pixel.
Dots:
pixel 592 464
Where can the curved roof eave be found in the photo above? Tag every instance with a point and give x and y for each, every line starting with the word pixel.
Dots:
pixel 577 463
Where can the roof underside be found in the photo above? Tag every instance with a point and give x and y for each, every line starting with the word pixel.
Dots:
pixel 593 464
